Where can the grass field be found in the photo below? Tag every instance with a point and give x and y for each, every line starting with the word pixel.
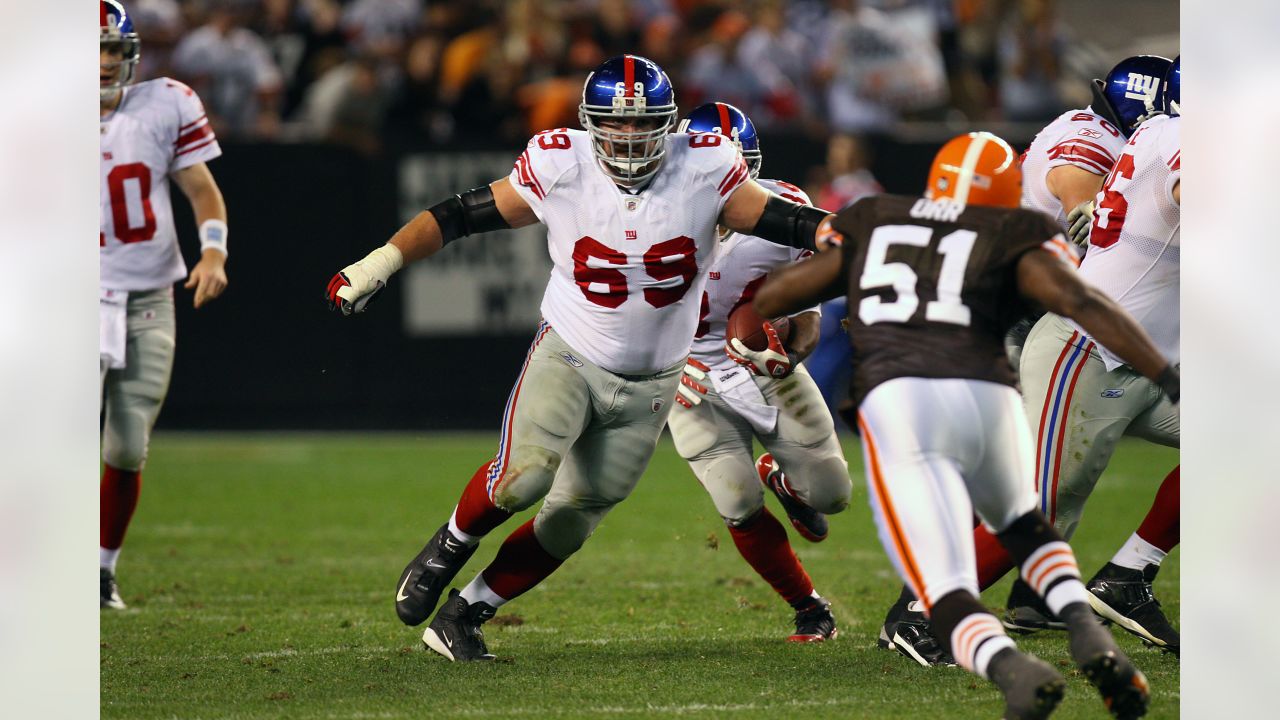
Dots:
pixel 260 574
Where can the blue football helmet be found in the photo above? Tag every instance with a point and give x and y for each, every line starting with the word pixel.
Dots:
pixel 116 33
pixel 628 107
pixel 723 118
pixel 1171 93
pixel 1131 92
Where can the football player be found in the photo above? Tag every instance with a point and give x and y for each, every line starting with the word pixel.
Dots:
pixel 150 132
pixel 1081 395
pixel 934 283
pixel 1063 170
pixel 631 211
pixel 726 399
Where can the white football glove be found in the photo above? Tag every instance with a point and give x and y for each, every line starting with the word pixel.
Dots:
pixel 355 286
pixel 774 361
pixel 1079 221
pixel 692 389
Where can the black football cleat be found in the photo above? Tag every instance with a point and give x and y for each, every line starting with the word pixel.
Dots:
pixel 907 631
pixel 1025 611
pixel 1123 687
pixel 1032 688
pixel 811 524
pixel 108 591
pixel 425 579
pixel 455 632
pixel 814 623
pixel 1124 596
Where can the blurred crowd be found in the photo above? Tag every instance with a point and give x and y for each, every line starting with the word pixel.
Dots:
pixel 360 71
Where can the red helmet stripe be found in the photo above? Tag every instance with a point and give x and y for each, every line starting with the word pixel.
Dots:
pixel 102 10
pixel 726 128
pixel 629 75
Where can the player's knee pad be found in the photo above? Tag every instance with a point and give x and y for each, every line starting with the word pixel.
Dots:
pixel 562 529
pixel 824 484
pixel 124 440
pixel 526 478
pixel 733 485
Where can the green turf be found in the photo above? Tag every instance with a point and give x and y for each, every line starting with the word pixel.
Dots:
pixel 260 573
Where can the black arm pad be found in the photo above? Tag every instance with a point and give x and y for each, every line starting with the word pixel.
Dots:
pixel 468 213
pixel 787 223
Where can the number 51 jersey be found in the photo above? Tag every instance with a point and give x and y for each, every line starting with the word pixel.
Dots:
pixel 933 286
pixel 628 269
pixel 159 128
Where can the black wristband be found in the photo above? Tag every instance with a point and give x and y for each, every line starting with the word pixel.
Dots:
pixel 1170 381
pixel 468 213
pixel 788 223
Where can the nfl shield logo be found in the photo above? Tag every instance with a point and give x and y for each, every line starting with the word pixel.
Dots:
pixel 657 404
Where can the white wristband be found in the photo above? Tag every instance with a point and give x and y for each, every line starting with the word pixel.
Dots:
pixel 213 234
pixel 384 262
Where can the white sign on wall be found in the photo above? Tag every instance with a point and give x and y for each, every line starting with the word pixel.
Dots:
pixel 489 284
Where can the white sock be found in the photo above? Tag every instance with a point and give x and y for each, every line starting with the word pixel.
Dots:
pixel 1065 592
pixel 1137 553
pixel 478 591
pixel 107 558
pixel 458 534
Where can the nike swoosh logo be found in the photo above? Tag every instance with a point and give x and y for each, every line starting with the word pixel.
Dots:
pixel 400 596
pixel 447 641
pixel 430 564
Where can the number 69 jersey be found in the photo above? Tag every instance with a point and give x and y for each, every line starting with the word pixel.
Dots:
pixel 159 128
pixel 933 287
pixel 628 270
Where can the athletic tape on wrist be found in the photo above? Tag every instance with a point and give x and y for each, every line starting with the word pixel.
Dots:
pixel 213 234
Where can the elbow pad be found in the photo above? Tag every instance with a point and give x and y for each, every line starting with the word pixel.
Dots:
pixel 788 223
pixel 468 213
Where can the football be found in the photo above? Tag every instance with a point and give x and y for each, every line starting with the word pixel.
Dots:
pixel 746 325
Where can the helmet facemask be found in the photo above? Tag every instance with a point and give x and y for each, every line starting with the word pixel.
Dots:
pixel 629 155
pixel 125 46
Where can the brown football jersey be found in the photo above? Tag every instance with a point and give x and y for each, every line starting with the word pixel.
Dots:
pixel 933 287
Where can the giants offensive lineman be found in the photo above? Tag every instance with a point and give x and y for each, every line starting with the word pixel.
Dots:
pixel 1081 396
pixel 631 211
pixel 151 132
pixel 934 283
pixel 723 405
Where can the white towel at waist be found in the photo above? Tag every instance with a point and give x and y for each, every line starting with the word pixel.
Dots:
pixel 738 388
pixel 113 310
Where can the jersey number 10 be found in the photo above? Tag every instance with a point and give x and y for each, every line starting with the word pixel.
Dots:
pixel 954 248
pixel 116 179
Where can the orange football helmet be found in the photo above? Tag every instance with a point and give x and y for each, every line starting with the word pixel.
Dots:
pixel 976 169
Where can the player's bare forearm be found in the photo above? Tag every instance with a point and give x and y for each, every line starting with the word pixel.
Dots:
pixel 1072 185
pixel 419 238
pixel 202 191
pixel 1059 289
pixel 753 210
pixel 422 236
pixel 801 285
pixel 805 329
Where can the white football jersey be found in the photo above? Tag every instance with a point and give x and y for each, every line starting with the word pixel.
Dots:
pixel 1077 137
pixel 1135 243
pixel 738 271
pixel 160 127
pixel 627 269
